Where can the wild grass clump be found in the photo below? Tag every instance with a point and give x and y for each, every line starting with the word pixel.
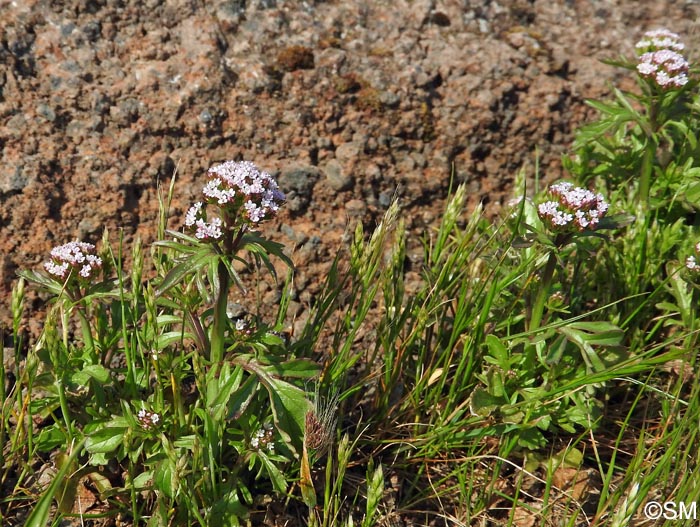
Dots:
pixel 542 372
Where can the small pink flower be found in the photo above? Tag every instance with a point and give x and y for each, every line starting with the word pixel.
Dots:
pixel 691 262
pixel 660 60
pixel 148 420
pixel 658 39
pixel 243 184
pixel 74 256
pixel 572 208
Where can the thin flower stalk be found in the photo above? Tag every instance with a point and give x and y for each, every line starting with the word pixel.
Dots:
pixel 244 197
pixel 569 211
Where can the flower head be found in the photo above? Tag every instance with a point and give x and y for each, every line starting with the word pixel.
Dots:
pixel 572 209
pixel 264 438
pixel 660 60
pixel 691 263
pixel 196 220
pixel 243 184
pixel 666 68
pixel 148 420
pixel 658 39
pixel 74 256
pixel 241 191
pixel 320 423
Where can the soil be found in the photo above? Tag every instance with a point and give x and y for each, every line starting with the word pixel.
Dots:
pixel 346 103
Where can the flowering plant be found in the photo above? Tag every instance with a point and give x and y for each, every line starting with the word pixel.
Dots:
pixel 244 197
pixel 647 141
pixel 149 347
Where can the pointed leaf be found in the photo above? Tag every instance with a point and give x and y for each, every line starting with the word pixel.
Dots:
pixel 105 440
pixel 178 273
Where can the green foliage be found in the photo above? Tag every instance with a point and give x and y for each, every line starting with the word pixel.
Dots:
pixel 139 385
pixel 512 351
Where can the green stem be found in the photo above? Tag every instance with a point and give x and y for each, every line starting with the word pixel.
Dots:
pixel 220 317
pixel 230 245
pixel 645 177
pixel 63 402
pixel 543 293
pixel 649 154
pixel 643 245
pixel 87 334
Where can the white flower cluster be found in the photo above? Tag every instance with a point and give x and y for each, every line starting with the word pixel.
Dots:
pixel 661 61
pixel 203 230
pixel 572 208
pixel 74 255
pixel 691 262
pixel 240 188
pixel 148 420
pixel 242 183
pixel 659 39
pixel 263 438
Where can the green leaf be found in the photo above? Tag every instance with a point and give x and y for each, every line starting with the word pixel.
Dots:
pixel 556 350
pixel 191 265
pixel 228 510
pixel 49 438
pixel 68 486
pixel 165 477
pixel 241 399
pixel 276 476
pixel 532 439
pixel 187 442
pixel 498 350
pixel 692 193
pixel 143 481
pixel 587 334
pixel 295 368
pixel 482 403
pixel 220 387
pixel 52 285
pixel 289 408
pixel 105 440
pixel 262 248
pixel 192 244
pixel 94 371
pixel 171 337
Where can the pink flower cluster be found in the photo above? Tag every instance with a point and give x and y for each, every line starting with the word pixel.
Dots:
pixel 661 61
pixel 659 39
pixel 242 183
pixel 241 188
pixel 148 420
pixel 74 256
pixel 572 208
pixel 195 219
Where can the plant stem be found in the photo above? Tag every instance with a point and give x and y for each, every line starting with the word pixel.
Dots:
pixel 543 293
pixel 230 244
pixel 649 154
pixel 219 328
pixel 87 334
pixel 645 177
